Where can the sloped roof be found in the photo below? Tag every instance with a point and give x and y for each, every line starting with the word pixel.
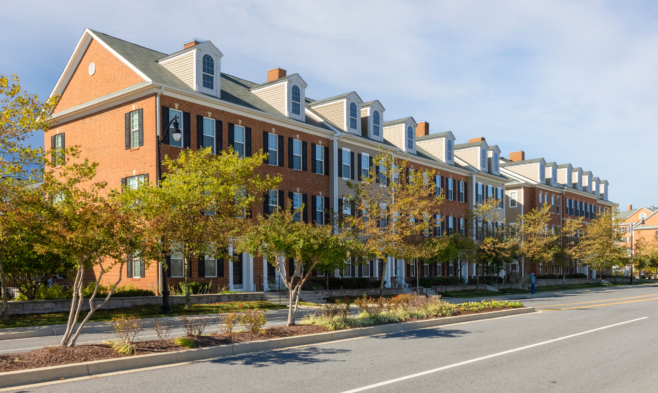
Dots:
pixel 432 136
pixel 398 121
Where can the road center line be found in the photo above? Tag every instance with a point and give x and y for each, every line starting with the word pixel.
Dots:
pixel 391 381
pixel 601 305
pixel 596 301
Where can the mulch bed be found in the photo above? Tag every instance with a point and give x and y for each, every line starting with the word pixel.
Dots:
pixel 56 356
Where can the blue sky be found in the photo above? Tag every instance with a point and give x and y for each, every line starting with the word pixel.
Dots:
pixel 573 82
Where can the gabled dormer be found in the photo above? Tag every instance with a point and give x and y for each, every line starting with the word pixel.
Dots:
pixel 551 174
pixel 595 186
pixel 603 189
pixel 577 178
pixel 474 153
pixel 587 181
pixel 564 173
pixel 493 154
pixel 441 146
pixel 287 94
pixel 343 111
pixel 372 120
pixel 198 65
pixel 402 133
pixel 534 169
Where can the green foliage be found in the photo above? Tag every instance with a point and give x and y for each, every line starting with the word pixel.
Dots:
pixel 124 348
pixel 57 291
pixel 488 280
pixel 229 322
pixel 253 321
pixel 492 304
pixel 185 342
pixel 546 277
pixel 429 282
pixel 354 283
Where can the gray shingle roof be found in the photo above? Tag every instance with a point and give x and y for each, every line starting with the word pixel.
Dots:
pixel 330 99
pixel 564 166
pixel 524 162
pixel 432 136
pixel 468 145
pixel 396 122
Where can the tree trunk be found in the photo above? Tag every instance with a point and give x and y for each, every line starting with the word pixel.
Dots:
pixel 381 282
pixel 3 288
pixel 188 299
pixel 417 276
pixel 75 308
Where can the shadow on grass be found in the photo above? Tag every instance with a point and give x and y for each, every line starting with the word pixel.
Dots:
pixel 307 355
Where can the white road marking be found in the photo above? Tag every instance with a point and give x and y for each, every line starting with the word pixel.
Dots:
pixel 391 381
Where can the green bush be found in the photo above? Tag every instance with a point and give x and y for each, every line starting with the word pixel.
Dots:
pixel 196 288
pixel 488 280
pixel 429 282
pixel 313 284
pixel 547 277
pixel 576 275
pixel 377 283
pixel 354 283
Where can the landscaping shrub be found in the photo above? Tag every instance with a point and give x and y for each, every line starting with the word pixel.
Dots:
pixel 161 330
pixel 484 305
pixel 185 342
pixel 486 280
pixel 313 284
pixel 55 291
pixel 254 321
pixel 194 326
pixel 377 283
pixel 126 329
pixel 354 283
pixel 547 277
pixel 576 275
pixel 229 322
pixel 429 282
pixel 334 310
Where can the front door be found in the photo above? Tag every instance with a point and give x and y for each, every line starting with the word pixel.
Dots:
pixel 237 272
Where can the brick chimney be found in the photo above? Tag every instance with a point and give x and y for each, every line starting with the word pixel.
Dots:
pixel 422 129
pixel 276 73
pixel 478 139
pixel 630 207
pixel 517 156
pixel 191 44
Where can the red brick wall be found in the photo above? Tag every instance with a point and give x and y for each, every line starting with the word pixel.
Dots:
pixel 111 75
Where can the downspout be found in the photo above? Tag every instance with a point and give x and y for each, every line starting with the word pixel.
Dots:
pixel 335 140
pixel 157 166
pixel 472 205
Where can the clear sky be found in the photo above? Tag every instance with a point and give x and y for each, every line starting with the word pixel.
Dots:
pixel 571 81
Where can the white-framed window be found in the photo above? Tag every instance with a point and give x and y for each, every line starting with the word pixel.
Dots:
pixel 426 269
pixel 451 227
pixel 383 221
pixel 451 194
pixel 208 72
pixel 133 182
pixel 365 269
pixel 238 140
pixel 513 199
pixel 173 113
pixel 297 155
pixel 353 116
pixel 382 174
pixel 319 160
pixel 490 191
pixel 462 192
pixel 545 199
pixel 59 145
pixel 462 226
pixel 410 138
pixel 347 270
pixel 210 265
pixel 319 210
pixel 375 123
pixel 134 129
pixel 296 204
pixel 451 268
pixel 437 223
pixel 296 100
pixel 347 207
pixel 365 165
pixel 177 265
pixel 552 203
pixel 643 216
pixel 541 200
pixel 412 268
pixel 495 162
pixel 137 266
pixel 272 149
pixel 347 163
pixel 449 150
pixel 480 188
pixel 437 184
pixel 273 200
pixel 209 133
pixel 500 196
pixel 483 160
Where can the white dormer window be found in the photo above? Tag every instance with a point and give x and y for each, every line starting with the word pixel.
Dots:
pixel 376 123
pixel 296 100
pixel 495 162
pixel 449 150
pixel 353 114
pixel 410 138
pixel 208 72
pixel 643 216
pixel 483 160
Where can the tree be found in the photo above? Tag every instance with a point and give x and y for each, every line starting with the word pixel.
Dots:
pixel 391 212
pixel 600 246
pixel 567 250
pixel 283 236
pixel 489 245
pixel 202 204
pixel 534 238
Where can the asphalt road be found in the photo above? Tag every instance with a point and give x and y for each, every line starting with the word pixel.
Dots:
pixel 593 341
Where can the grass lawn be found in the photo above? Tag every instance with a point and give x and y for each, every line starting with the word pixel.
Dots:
pixel 140 311
pixel 470 293
pixel 351 299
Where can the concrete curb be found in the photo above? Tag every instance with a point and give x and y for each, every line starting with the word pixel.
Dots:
pixel 38 375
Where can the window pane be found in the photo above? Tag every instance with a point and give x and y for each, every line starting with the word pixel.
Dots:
pixel 208 81
pixel 319 159
pixel 137 268
pixel 209 141
pixel 274 200
pixel 273 149
pixel 238 134
pixel 179 116
pixel 134 139
pixel 297 154
pixel 211 267
pixel 176 267
pixel 134 120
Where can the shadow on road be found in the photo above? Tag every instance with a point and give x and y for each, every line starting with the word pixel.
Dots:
pixel 301 356
pixel 426 333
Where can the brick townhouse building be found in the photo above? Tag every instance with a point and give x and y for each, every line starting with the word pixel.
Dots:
pixel 534 183
pixel 636 224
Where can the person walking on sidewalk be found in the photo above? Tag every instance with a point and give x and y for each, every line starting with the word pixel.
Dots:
pixel 532 283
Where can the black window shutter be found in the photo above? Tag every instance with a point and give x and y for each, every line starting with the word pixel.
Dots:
pixel 360 270
pixel 187 130
pixel 352 164
pixel 220 267
pixel 340 209
pixel 282 200
pixel 141 127
pixel 199 132
pixel 188 267
pixel 142 267
pixel 340 162
pixel 202 266
pixel 231 135
pixel 218 137
pixel 358 174
pixel 327 210
pixel 326 161
pixel 371 165
pixel 165 124
pixel 289 152
pixel 123 182
pixel 372 269
pixel 313 209
pixel 247 142
pixel 466 191
pixel 436 226
pixel 304 156
pixel 291 267
pixel 52 150
pixel 127 130
pixel 291 196
pixel 266 145
pixel 281 150
pixel 266 203
pixel 168 263
pixel 353 268
pixel 129 267
pixel 456 224
pixel 313 169
pixel 305 212
pixel 376 172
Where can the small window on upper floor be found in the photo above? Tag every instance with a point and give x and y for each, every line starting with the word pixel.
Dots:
pixel 375 124
pixel 208 72
pixel 449 150
pixel 410 138
pixel 353 116
pixel 483 159
pixel 296 100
